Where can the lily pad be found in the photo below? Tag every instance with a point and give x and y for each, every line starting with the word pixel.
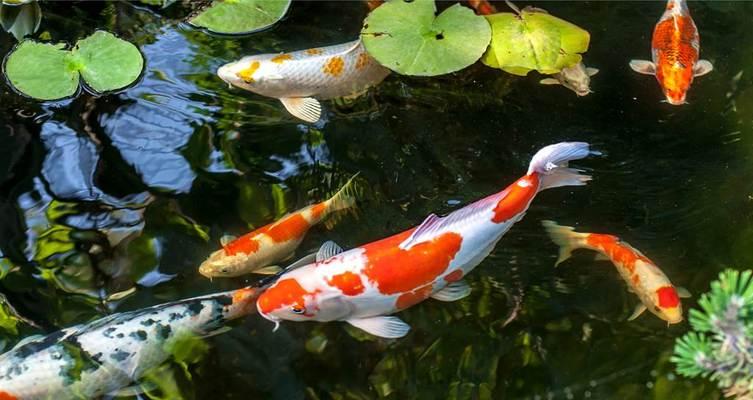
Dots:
pixel 20 20
pixel 108 63
pixel 534 40
pixel 41 70
pixel 407 38
pixel 49 72
pixel 241 16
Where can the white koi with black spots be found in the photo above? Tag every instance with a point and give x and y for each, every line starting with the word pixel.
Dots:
pixel 301 77
pixel 108 354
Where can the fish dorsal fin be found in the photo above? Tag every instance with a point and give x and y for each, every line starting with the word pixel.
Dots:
pixel 433 225
pixel 306 108
pixel 386 327
pixel 227 239
pixel 328 249
pixel 426 231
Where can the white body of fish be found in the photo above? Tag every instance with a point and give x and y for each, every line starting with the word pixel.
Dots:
pixel 300 77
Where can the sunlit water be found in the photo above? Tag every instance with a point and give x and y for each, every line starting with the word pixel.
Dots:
pixel 98 195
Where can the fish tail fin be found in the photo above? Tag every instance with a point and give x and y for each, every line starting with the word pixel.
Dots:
pixel 343 200
pixel 565 237
pixel 551 164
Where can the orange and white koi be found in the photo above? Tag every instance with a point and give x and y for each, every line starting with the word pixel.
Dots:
pixel 675 49
pixel 274 242
pixel 299 78
pixel 643 277
pixel 364 285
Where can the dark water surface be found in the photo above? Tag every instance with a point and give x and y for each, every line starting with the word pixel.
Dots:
pixel 100 195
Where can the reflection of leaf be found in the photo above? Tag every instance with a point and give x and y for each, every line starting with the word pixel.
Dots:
pixel 241 16
pixel 21 20
pixel 407 38
pixel 534 41
pixel 70 163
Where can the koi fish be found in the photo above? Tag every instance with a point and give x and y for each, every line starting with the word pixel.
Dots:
pixel 576 78
pixel 105 356
pixel 643 277
pixel 299 78
pixel 271 243
pixel 364 285
pixel 675 50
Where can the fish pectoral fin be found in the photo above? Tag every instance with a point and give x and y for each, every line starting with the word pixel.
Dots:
pixel 453 292
pixel 702 67
pixel 305 260
pixel 227 239
pixel 643 67
pixel 592 71
pixel 683 293
pixel 268 270
pixel 639 309
pixel 385 327
pixel 549 81
pixel 306 108
pixel 328 249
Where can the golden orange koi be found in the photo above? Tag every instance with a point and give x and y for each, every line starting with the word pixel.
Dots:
pixel 273 242
pixel 643 277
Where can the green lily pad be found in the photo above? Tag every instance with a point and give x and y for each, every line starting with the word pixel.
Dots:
pixel 49 72
pixel 241 16
pixel 41 70
pixel 534 40
pixel 407 38
pixel 108 63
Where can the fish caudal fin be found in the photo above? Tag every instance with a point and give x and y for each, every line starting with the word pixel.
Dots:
pixel 344 199
pixel 551 164
pixel 565 237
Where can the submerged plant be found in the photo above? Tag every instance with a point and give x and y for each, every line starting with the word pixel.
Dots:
pixel 720 347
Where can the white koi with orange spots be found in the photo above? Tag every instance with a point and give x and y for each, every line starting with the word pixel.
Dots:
pixel 273 242
pixel 299 78
pixel 643 277
pixel 364 285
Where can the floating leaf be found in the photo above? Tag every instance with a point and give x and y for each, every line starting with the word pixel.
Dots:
pixel 241 16
pixel 41 70
pixel 49 72
pixel 406 37
pixel 20 20
pixel 534 40
pixel 109 63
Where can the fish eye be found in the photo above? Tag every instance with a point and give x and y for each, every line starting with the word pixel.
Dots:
pixel 297 310
pixel 225 270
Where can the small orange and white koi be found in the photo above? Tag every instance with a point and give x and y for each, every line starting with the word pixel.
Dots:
pixel 299 78
pixel 258 250
pixel 675 49
pixel 643 277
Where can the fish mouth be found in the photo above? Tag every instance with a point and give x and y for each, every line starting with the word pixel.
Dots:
pixel 227 74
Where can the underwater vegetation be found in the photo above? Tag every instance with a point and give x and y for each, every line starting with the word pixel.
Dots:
pixel 182 183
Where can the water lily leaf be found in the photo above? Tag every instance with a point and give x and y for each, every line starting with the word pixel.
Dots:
pixel 534 40
pixel 20 20
pixel 108 63
pixel 41 70
pixel 406 37
pixel 241 16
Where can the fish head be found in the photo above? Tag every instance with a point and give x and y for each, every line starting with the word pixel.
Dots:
pixel 576 78
pixel 675 80
pixel 252 73
pixel 298 298
pixel 221 265
pixel 667 305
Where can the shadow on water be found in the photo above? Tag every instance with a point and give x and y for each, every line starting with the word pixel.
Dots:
pixel 109 203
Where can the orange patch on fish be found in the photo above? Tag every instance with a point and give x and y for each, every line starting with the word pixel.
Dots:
pixel 334 66
pixel 394 270
pixel 412 298
pixel 248 74
pixel 243 298
pixel 619 253
pixel 292 227
pixel 454 276
pixel 247 244
pixel 317 211
pixel 281 58
pixel 675 40
pixel 516 198
pixel 668 297
pixel 362 61
pixel 286 293
pixel 348 283
pixel 7 396
pixel 636 279
pixel 314 52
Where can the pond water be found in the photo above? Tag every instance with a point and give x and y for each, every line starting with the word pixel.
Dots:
pixel 99 195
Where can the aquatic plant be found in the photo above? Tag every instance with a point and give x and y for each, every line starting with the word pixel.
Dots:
pixel 240 16
pixel 48 71
pixel 20 19
pixel 720 346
